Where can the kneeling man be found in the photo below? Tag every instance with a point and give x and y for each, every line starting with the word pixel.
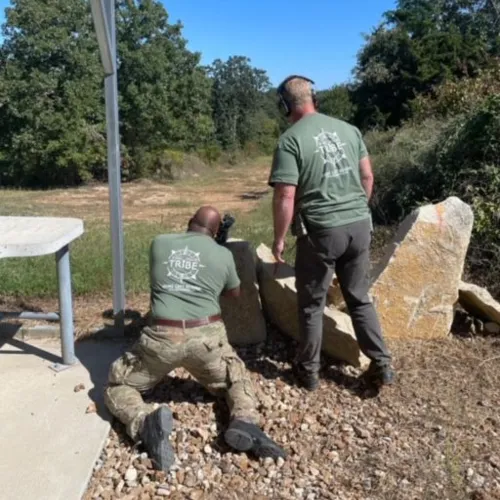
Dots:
pixel 188 273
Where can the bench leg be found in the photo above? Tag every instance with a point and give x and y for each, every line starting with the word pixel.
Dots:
pixel 66 306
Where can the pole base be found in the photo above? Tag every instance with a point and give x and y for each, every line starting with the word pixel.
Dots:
pixel 60 367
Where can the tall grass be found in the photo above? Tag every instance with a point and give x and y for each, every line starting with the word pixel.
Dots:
pixel 91 263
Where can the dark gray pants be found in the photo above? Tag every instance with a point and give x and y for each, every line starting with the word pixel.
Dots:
pixel 345 251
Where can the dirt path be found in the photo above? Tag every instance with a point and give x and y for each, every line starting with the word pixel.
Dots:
pixel 235 189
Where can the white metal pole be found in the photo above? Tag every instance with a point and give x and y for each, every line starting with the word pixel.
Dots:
pixel 114 177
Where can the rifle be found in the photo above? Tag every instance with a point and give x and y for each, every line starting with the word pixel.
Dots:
pixel 222 234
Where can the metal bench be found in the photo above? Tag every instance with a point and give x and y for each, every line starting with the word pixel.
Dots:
pixel 36 236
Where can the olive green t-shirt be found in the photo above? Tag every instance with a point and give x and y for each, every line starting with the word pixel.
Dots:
pixel 188 272
pixel 320 155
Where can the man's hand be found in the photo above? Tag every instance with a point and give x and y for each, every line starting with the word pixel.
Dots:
pixel 278 249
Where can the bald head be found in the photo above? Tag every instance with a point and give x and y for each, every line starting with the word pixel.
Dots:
pixel 206 220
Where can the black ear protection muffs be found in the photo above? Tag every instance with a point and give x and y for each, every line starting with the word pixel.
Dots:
pixel 283 104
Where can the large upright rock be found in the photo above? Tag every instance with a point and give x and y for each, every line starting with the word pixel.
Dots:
pixel 243 317
pixel 415 287
pixel 279 299
pixel 479 302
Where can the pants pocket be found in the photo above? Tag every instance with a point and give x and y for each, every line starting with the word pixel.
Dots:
pixel 123 367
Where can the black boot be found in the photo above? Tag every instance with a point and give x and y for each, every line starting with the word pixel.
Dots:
pixel 307 380
pixel 155 434
pixel 243 436
pixel 379 375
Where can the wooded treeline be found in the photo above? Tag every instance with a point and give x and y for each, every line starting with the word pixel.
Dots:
pixel 52 115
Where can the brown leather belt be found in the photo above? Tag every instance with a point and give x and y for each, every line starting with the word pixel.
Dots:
pixel 187 323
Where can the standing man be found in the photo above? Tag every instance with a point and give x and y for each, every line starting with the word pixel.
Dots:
pixel 188 273
pixel 322 180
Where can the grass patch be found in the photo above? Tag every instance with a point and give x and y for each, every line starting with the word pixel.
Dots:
pixel 257 227
pixel 91 264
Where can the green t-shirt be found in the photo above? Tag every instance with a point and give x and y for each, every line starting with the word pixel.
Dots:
pixel 188 272
pixel 320 155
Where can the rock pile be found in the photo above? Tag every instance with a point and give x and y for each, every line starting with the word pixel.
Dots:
pixel 279 297
pixel 416 288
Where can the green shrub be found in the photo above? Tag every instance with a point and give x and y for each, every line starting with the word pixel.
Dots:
pixel 397 156
pixel 468 159
pixel 429 162
pixel 455 97
pixel 211 153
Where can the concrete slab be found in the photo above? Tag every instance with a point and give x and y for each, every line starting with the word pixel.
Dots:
pixel 49 442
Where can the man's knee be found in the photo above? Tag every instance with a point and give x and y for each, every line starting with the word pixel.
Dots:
pixel 133 370
pixel 122 368
pixel 361 301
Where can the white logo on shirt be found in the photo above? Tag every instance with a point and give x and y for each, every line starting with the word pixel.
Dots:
pixel 183 265
pixel 331 149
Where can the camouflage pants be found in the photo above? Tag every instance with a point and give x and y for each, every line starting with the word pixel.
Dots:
pixel 203 351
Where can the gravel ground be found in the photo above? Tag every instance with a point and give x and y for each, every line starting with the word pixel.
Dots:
pixel 435 434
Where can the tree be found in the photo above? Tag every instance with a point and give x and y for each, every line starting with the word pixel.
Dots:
pixel 418 46
pixel 165 93
pixel 51 118
pixel 237 96
pixel 336 102
pixel 387 79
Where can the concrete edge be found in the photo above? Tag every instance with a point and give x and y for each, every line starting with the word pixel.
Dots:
pixel 99 450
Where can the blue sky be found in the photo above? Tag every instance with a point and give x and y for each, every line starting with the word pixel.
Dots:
pixel 319 39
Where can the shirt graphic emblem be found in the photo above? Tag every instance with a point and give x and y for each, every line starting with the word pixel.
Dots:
pixel 183 265
pixel 331 150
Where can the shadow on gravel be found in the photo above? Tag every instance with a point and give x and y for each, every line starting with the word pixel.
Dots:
pixel 355 385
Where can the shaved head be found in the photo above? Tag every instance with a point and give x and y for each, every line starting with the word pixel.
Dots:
pixel 206 220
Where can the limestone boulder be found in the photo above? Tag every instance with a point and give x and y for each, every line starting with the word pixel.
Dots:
pixel 243 316
pixel 334 297
pixel 415 286
pixel 279 300
pixel 478 302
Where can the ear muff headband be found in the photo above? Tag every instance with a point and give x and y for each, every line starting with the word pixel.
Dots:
pixel 282 101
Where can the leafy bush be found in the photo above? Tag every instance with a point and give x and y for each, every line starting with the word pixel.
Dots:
pixel 211 153
pixel 165 165
pixel 397 156
pixel 437 159
pixel 456 97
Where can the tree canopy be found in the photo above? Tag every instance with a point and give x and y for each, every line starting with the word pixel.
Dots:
pixel 52 115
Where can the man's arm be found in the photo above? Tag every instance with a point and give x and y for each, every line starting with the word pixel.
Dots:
pixel 284 178
pixel 232 286
pixel 283 206
pixel 366 174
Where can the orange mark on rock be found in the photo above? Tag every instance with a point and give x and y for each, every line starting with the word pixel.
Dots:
pixel 440 213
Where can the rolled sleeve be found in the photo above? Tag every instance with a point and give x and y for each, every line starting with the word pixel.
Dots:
pixel 284 168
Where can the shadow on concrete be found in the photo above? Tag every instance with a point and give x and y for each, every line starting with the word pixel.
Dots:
pixel 96 357
pixel 8 332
